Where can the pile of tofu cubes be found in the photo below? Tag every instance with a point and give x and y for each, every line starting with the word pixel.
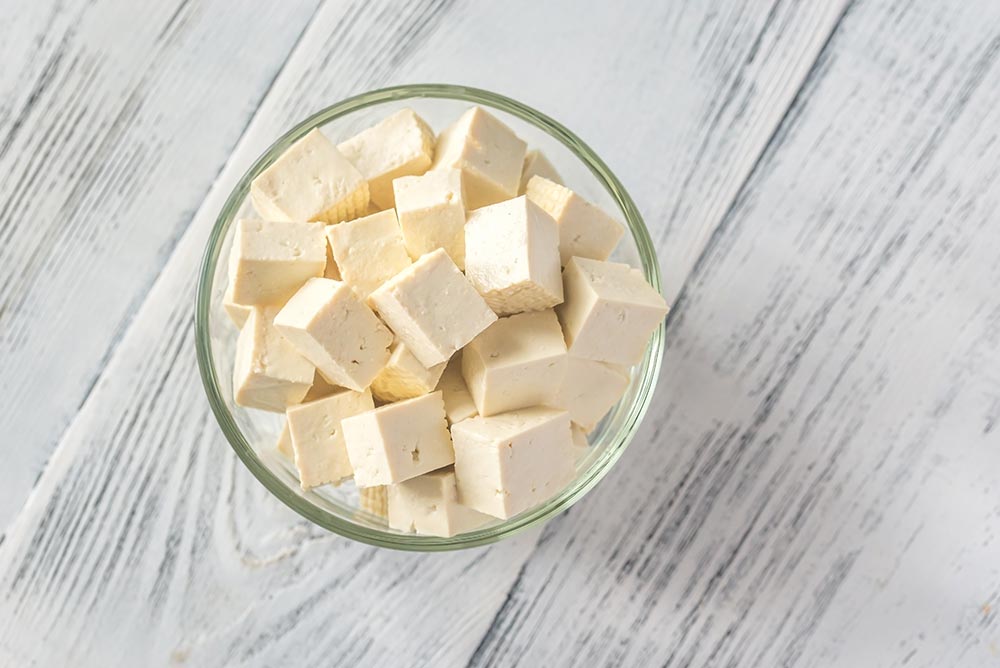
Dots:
pixel 436 317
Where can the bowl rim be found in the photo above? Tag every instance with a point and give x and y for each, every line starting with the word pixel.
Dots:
pixel 648 370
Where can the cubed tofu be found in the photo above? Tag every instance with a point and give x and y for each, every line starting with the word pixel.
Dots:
pixel 508 463
pixel 285 442
pixel 589 390
pixel 311 181
pixel 609 311
pixel 268 373
pixel 585 230
pixel 489 154
pixel 332 270
pixel 404 377
pixel 237 313
pixel 536 164
pixel 428 505
pixel 269 261
pixel 431 210
pixel 512 256
pixel 517 362
pixel 320 388
pixel 368 251
pixel 458 403
pixel 375 500
pixel 398 441
pixel 400 145
pixel 432 308
pixel 335 331
pixel 317 437
pixel 580 444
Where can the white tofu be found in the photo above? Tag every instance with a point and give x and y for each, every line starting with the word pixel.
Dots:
pixel 268 373
pixel 585 230
pixel 506 464
pixel 589 390
pixel 512 256
pixel 432 308
pixel 400 145
pixel 375 500
pixel 311 181
pixel 320 388
pixel 318 439
pixel 398 441
pixel 285 442
pixel 536 164
pixel 332 270
pixel 238 313
pixel 428 505
pixel 489 154
pixel 404 377
pixel 458 403
pixel 431 210
pixel 580 444
pixel 335 331
pixel 609 311
pixel 368 251
pixel 270 261
pixel 517 362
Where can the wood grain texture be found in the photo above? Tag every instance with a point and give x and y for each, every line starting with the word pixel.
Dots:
pixel 115 118
pixel 819 484
pixel 815 484
pixel 123 136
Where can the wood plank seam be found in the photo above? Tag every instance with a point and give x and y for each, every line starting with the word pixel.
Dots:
pixel 814 74
pixel 168 252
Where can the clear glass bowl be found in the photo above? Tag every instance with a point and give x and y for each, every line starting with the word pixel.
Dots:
pixel 253 434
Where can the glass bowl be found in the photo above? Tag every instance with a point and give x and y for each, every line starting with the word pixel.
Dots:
pixel 253 434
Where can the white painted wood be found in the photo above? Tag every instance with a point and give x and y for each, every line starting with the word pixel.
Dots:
pixel 115 118
pixel 816 481
pixel 117 115
pixel 819 484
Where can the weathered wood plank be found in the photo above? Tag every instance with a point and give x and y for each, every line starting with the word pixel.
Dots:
pixel 115 118
pixel 145 541
pixel 819 484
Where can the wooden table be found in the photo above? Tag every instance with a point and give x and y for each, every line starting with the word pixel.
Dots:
pixel 817 483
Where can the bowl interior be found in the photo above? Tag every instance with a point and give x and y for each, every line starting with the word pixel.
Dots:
pixel 253 433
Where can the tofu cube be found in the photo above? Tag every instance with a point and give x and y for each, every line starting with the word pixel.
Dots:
pixel 398 441
pixel 404 377
pixel 428 505
pixel 585 230
pixel 580 444
pixel 506 464
pixel 375 500
pixel 536 164
pixel 311 181
pixel 400 145
pixel 320 388
pixel 432 308
pixel 610 311
pixel 458 403
pixel 368 251
pixel 270 261
pixel 335 331
pixel 489 154
pixel 431 210
pixel 285 442
pixel 332 270
pixel 238 313
pixel 512 256
pixel 589 390
pixel 318 439
pixel 268 373
pixel 517 362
